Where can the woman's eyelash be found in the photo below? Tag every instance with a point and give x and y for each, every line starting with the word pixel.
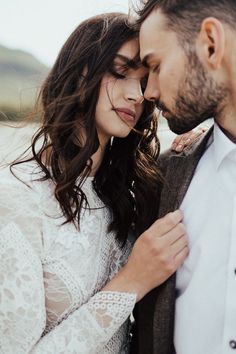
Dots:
pixel 117 74
pixel 156 68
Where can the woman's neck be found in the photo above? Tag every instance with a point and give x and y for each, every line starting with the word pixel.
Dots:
pixel 97 158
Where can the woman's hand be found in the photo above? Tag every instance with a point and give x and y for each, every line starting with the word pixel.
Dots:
pixel 156 255
pixel 183 140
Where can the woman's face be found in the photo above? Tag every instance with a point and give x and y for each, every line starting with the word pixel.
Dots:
pixel 120 103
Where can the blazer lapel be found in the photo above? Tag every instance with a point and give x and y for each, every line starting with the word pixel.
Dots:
pixel 178 176
pixel 179 172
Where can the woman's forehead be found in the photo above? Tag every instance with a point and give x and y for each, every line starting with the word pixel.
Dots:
pixel 129 56
pixel 130 49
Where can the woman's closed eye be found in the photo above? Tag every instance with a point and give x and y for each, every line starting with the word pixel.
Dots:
pixel 119 71
pixel 117 74
pixel 124 72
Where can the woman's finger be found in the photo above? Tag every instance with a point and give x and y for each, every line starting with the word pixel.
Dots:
pixel 183 140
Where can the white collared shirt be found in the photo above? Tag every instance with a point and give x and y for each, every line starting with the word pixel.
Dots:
pixel 205 321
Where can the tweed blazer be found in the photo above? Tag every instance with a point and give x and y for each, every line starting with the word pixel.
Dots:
pixel 154 314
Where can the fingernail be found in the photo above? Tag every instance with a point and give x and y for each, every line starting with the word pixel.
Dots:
pixel 178 212
pixel 179 147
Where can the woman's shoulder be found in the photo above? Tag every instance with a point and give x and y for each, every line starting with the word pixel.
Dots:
pixel 23 176
pixel 20 208
pixel 19 183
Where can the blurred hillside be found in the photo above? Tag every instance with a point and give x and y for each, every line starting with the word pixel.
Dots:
pixel 21 75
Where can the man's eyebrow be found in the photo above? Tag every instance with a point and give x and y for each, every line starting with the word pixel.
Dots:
pixel 131 63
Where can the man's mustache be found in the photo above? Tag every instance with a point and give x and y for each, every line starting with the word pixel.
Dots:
pixel 161 106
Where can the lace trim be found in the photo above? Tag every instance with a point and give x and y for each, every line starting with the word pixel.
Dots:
pixel 102 316
pixel 116 304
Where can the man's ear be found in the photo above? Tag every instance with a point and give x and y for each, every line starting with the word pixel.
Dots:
pixel 211 42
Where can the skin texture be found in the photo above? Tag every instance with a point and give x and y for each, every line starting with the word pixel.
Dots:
pixel 120 93
pixel 162 249
pixel 190 84
pixel 125 92
pixel 183 140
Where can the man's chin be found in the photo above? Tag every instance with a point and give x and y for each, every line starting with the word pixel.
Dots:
pixel 178 127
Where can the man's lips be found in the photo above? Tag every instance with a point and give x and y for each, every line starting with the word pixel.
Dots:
pixel 161 107
pixel 126 113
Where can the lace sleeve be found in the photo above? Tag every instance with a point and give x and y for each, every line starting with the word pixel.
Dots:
pixel 22 309
pixel 22 298
pixel 95 324
pixel 90 327
pixel 119 256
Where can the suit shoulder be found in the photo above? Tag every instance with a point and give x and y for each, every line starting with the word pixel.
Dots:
pixel 165 157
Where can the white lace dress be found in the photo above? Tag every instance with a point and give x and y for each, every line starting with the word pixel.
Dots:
pixel 51 275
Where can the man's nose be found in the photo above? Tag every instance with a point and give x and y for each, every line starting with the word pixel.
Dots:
pixel 151 92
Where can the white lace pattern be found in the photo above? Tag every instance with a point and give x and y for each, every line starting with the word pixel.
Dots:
pixel 51 275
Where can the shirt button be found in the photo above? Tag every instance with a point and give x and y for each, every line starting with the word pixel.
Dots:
pixel 232 344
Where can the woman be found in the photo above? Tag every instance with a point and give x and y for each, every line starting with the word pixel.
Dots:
pixel 66 212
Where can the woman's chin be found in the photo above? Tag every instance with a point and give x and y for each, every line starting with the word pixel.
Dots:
pixel 122 134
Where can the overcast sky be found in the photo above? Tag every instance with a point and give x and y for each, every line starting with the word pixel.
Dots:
pixel 42 26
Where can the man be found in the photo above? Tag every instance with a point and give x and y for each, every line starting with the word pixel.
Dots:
pixel 190 50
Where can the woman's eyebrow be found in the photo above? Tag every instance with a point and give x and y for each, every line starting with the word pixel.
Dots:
pixel 131 63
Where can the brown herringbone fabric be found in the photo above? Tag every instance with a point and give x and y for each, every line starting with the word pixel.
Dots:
pixel 154 314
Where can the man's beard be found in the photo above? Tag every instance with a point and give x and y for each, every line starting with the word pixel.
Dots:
pixel 198 98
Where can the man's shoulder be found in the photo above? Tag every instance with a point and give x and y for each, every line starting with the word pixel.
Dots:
pixel 167 157
pixel 168 154
pixel 189 153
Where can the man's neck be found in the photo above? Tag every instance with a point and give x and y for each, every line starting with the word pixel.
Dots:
pixel 228 134
pixel 227 122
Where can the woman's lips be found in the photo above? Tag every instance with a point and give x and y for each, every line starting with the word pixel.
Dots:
pixel 126 114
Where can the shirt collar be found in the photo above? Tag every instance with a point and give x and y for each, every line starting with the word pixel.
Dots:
pixel 223 147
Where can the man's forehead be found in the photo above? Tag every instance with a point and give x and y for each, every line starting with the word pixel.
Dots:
pixel 154 35
pixel 156 21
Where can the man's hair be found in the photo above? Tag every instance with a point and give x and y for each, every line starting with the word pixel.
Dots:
pixel 185 16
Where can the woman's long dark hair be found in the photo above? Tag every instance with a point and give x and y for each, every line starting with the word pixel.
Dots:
pixel 126 181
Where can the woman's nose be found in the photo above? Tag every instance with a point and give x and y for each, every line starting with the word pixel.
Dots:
pixel 137 99
pixel 134 93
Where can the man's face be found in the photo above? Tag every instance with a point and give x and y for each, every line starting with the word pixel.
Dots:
pixel 178 82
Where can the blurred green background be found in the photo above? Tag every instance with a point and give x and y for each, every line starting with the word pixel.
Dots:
pixel 21 76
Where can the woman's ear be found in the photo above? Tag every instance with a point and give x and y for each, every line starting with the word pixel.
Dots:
pixel 211 42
